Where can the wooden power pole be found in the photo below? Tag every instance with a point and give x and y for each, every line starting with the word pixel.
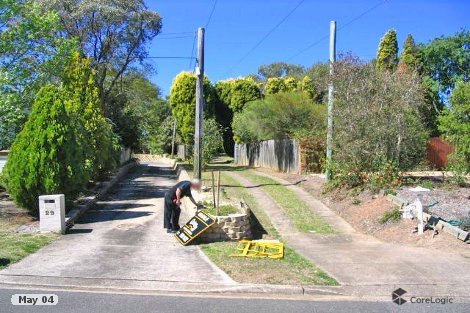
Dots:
pixel 329 135
pixel 199 104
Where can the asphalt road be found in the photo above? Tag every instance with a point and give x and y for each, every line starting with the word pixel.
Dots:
pixel 86 302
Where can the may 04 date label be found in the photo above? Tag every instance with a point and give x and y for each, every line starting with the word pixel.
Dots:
pixel 34 299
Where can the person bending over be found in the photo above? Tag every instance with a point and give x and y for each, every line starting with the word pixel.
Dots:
pixel 173 202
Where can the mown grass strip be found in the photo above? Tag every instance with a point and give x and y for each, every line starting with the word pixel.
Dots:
pixel 293 269
pixel 304 219
pixel 14 247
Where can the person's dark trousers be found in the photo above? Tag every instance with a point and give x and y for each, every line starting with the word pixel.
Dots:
pixel 171 214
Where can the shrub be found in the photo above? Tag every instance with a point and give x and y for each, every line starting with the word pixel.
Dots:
pixel 275 85
pixel 377 123
pixel 159 141
pixel 48 156
pixel 213 141
pixel 390 216
pixel 279 116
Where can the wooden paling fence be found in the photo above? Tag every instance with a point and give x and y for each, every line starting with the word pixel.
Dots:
pixel 279 155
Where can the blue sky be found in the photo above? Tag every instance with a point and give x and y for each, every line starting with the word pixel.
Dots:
pixel 237 26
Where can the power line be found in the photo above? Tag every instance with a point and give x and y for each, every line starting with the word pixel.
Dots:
pixel 169 57
pixel 265 36
pixel 175 37
pixel 212 12
pixel 175 33
pixel 192 51
pixel 339 28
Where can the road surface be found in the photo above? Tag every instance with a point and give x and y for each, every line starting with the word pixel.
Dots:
pixel 86 302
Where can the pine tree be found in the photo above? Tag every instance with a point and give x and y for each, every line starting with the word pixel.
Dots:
pixel 387 55
pixel 82 100
pixel 409 59
pixel 46 157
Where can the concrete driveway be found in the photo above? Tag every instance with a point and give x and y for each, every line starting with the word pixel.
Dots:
pixel 120 243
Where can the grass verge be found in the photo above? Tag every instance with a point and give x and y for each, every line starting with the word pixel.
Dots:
pixel 14 247
pixel 298 211
pixel 293 269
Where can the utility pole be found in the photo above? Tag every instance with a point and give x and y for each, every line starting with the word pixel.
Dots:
pixel 329 135
pixel 199 104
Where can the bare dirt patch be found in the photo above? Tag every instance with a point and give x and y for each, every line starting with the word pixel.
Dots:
pixel 363 210
pixel 11 215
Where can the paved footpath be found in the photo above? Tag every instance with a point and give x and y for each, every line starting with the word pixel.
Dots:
pixel 121 243
pixel 362 264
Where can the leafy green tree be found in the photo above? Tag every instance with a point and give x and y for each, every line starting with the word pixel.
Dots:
pixel 291 83
pixel 320 75
pixel 275 85
pixel 280 69
pixel 158 131
pixel 224 114
pixel 183 103
pixel 212 141
pixel 446 60
pixel 454 123
pixel 387 54
pixel 243 90
pixel 114 34
pixel 409 58
pixel 49 154
pixel 307 87
pixel 81 97
pixel 32 54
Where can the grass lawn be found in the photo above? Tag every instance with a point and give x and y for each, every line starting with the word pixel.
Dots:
pixel 14 247
pixel 299 213
pixel 293 269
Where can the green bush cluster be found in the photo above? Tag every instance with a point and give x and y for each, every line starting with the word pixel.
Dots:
pixel 183 103
pixel 279 116
pixel 65 142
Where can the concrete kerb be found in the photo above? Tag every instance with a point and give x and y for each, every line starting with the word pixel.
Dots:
pixel 132 285
pixel 87 203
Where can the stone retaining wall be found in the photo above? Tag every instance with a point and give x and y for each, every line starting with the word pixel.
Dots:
pixel 226 228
